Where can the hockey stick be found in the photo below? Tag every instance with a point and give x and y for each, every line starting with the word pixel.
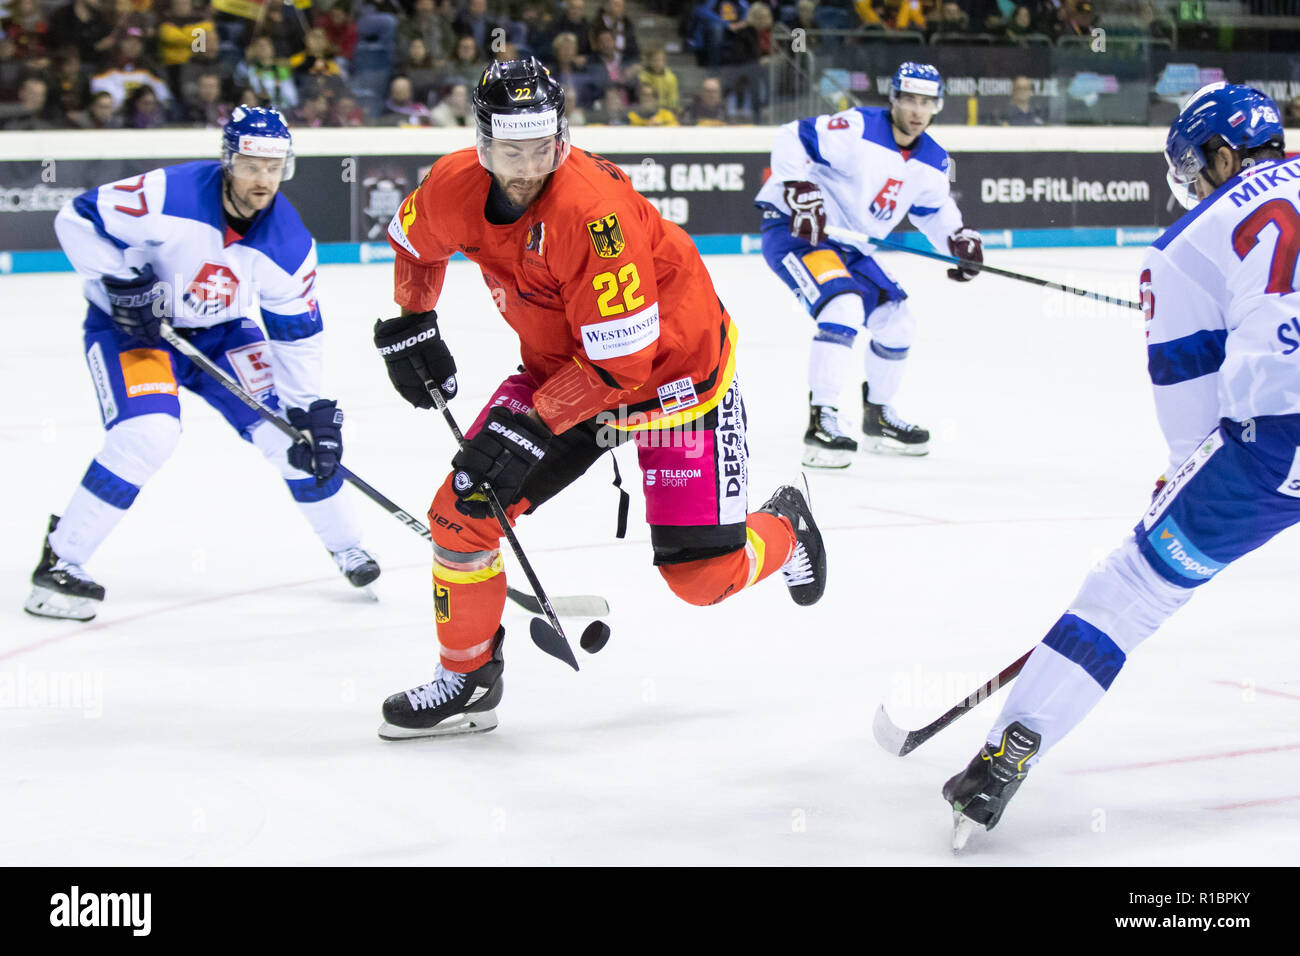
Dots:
pixel 578 605
pixel 902 742
pixel 547 634
pixel 855 237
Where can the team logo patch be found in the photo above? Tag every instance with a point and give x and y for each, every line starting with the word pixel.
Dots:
pixel 461 481
pixel 537 237
pixel 886 201
pixel 252 365
pixel 212 290
pixel 678 395
pixel 825 266
pixel 147 372
pixel 441 604
pixel 606 236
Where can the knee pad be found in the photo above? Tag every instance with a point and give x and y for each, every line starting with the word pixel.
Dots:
pixel 841 317
pixel 708 580
pixel 892 325
pixel 1126 598
pixel 136 448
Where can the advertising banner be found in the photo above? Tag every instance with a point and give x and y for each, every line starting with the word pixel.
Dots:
pixel 350 199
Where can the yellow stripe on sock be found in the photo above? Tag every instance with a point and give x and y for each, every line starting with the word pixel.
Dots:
pixel 757 550
pixel 450 576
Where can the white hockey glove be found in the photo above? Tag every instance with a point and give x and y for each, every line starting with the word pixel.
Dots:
pixel 807 210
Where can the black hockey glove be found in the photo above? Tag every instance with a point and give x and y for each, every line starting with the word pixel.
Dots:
pixel 503 453
pixel 969 245
pixel 323 423
pixel 415 353
pixel 807 211
pixel 131 302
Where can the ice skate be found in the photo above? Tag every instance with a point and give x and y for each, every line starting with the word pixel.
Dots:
pixel 887 434
pixel 61 589
pixel 449 705
pixel 359 568
pixel 826 445
pixel 805 571
pixel 980 793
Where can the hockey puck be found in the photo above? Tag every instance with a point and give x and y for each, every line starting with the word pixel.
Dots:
pixel 594 637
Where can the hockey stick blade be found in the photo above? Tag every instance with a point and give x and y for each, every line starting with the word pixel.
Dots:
pixel 551 642
pixel 572 605
pixel 889 735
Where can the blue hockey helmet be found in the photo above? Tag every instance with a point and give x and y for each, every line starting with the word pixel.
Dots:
pixel 255 131
pixel 1221 114
pixel 920 78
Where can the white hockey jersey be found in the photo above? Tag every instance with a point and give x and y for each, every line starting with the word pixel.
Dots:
pixel 172 218
pixel 869 184
pixel 1219 292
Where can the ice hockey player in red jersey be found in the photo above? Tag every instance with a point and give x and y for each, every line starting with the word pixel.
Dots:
pixel 622 338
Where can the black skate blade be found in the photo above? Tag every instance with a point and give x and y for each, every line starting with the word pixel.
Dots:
pixel 552 642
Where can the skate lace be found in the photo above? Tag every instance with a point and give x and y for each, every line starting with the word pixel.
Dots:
pixel 71 570
pixel 349 559
pixel 798 570
pixel 891 418
pixel 444 686
pixel 829 421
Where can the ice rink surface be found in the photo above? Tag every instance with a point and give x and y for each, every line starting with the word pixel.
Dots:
pixel 222 708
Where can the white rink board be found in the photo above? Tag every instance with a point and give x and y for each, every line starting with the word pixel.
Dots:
pixel 232 682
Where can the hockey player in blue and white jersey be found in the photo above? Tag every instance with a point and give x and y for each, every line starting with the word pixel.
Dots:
pixel 194 243
pixel 1223 353
pixel 862 170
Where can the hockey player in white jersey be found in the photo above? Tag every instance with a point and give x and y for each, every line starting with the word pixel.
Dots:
pixel 193 243
pixel 1223 353
pixel 861 170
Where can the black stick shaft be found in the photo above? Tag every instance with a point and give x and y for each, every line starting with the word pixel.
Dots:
pixel 1009 673
pixel 180 344
pixel 559 646
pixel 850 236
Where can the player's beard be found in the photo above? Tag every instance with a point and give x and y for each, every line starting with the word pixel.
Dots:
pixel 522 192
pixel 250 201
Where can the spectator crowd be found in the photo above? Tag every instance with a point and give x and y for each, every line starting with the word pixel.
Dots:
pixel 103 64
pixel 139 64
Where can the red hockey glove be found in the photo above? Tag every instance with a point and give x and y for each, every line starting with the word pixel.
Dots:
pixel 969 245
pixel 807 211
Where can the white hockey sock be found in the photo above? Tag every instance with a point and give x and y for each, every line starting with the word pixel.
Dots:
pixel 829 366
pixel 1122 603
pixel 133 450
pixel 884 375
pixel 85 523
pixel 831 357
pixel 1051 695
pixel 333 522
pixel 331 517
